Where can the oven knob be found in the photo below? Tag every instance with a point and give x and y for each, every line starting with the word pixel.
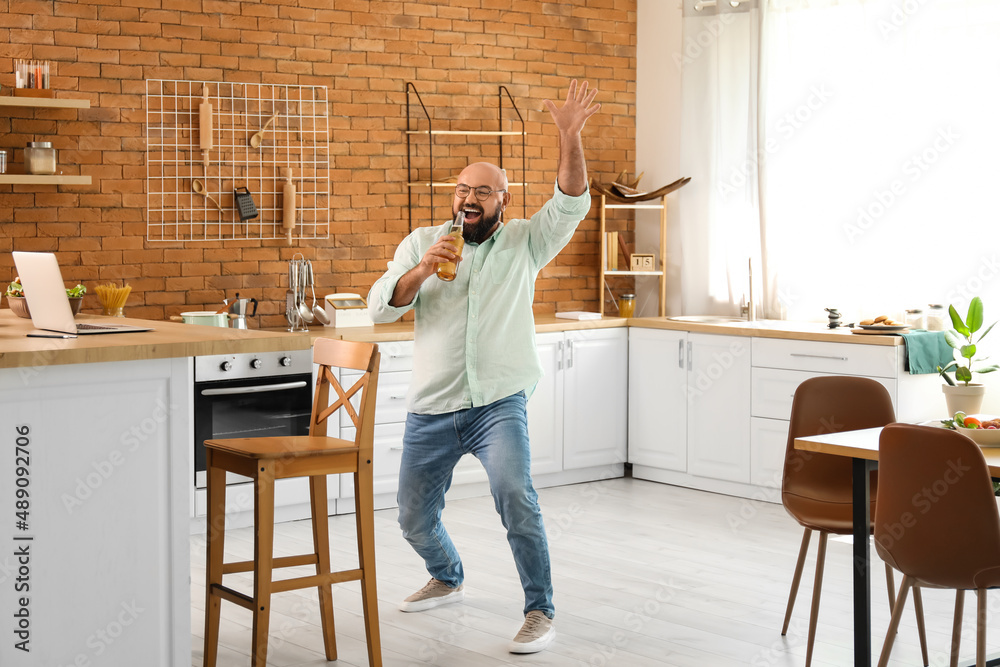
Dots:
pixel 255 363
pixel 285 361
pixel 225 366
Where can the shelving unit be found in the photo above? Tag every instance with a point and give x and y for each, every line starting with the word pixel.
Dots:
pixel 662 273
pixel 43 103
pixel 432 183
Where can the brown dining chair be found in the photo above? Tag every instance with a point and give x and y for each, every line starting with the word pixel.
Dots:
pixel 816 488
pixel 936 521
pixel 314 456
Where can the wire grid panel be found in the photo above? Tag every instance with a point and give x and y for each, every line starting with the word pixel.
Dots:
pixel 297 139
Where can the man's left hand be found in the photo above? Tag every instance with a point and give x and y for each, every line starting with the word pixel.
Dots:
pixel 573 114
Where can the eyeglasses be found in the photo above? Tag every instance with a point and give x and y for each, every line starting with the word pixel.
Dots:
pixel 483 192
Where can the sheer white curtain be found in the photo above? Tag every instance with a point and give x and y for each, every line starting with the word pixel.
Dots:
pixel 719 224
pixel 880 129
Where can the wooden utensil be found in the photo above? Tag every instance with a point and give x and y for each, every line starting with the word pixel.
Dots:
pixel 199 188
pixel 257 139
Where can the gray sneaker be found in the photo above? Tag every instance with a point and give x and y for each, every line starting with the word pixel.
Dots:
pixel 536 633
pixel 434 594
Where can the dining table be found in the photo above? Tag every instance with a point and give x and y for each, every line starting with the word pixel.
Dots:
pixel 861 446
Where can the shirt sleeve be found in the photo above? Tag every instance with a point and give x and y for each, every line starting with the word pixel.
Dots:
pixel 553 225
pixel 381 292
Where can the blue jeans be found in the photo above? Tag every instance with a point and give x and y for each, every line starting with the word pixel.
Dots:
pixel 496 434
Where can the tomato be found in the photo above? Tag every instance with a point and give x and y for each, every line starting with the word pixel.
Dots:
pixel 972 422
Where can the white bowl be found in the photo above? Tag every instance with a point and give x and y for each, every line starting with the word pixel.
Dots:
pixel 984 437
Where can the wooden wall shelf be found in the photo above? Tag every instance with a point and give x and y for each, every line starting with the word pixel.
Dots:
pixel 662 273
pixel 35 179
pixel 44 102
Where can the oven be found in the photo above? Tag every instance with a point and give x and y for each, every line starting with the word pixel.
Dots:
pixel 249 395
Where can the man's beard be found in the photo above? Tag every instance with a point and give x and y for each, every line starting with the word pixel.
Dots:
pixel 480 231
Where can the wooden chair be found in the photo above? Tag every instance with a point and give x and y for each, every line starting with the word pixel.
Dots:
pixel 816 488
pixel 314 456
pixel 936 521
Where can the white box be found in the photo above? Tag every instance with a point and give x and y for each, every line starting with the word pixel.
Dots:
pixel 347 310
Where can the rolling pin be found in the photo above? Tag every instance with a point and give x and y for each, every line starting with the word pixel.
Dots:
pixel 205 126
pixel 288 199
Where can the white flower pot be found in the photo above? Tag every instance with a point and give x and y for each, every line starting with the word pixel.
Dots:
pixel 964 398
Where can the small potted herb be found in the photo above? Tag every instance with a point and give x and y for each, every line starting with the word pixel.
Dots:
pixel 961 394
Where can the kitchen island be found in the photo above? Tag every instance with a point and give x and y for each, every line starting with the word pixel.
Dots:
pixel 96 490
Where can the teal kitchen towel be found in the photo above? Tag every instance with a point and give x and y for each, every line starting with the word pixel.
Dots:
pixel 926 350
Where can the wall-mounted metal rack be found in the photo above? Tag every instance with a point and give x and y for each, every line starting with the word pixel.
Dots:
pixel 433 182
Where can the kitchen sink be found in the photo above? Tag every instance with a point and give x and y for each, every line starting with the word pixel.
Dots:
pixel 707 319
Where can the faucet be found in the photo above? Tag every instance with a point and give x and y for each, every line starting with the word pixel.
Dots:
pixel 749 309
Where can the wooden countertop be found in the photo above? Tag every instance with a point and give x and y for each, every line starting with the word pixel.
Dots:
pixel 167 340
pixel 814 331
pixel 174 339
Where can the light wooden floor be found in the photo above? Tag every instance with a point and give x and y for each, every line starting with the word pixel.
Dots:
pixel 645 574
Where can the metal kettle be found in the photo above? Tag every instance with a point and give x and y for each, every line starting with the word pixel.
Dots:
pixel 238 309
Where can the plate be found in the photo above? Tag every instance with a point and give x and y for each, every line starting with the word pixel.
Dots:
pixel 884 327
pixel 878 329
pixel 983 437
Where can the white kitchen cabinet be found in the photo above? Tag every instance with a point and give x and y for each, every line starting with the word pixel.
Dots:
pixel 718 407
pixel 689 409
pixel 545 407
pixel 595 410
pixel 657 393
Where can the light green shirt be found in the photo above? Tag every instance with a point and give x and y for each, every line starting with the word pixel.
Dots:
pixel 474 338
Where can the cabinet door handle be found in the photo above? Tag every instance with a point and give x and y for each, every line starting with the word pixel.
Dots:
pixel 680 354
pixel 397 398
pixel 559 357
pixel 818 356
pixel 569 354
pixel 396 448
pixel 690 357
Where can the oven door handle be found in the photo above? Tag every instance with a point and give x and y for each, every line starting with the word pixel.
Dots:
pixel 256 389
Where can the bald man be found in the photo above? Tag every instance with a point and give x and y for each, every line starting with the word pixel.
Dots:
pixel 475 365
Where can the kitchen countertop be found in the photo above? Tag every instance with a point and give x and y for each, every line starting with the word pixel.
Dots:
pixel 167 340
pixel 788 330
pixel 174 339
pixel 815 331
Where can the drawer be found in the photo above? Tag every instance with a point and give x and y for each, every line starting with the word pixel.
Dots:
pixel 387 452
pixel 397 355
pixel 822 357
pixel 771 390
pixel 390 404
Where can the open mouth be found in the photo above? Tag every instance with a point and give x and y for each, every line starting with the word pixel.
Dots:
pixel 472 214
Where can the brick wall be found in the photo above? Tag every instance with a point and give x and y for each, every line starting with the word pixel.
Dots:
pixel 457 53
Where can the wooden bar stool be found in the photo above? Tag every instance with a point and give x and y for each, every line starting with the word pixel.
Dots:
pixel 314 456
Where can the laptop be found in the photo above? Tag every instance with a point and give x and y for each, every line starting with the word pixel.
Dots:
pixel 47 300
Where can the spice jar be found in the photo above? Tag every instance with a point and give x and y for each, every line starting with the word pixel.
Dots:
pixel 40 158
pixel 626 305
pixel 936 317
pixel 914 318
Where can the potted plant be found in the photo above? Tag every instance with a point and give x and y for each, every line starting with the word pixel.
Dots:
pixel 961 394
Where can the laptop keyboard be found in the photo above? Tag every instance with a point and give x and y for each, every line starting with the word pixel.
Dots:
pixel 86 327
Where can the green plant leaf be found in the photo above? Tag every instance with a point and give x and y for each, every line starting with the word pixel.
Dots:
pixel 953 339
pixel 957 322
pixel 968 351
pixel 988 369
pixel 988 329
pixel 963 374
pixel 975 318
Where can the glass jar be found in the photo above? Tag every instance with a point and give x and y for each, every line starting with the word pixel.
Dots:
pixel 937 317
pixel 626 305
pixel 40 158
pixel 914 318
